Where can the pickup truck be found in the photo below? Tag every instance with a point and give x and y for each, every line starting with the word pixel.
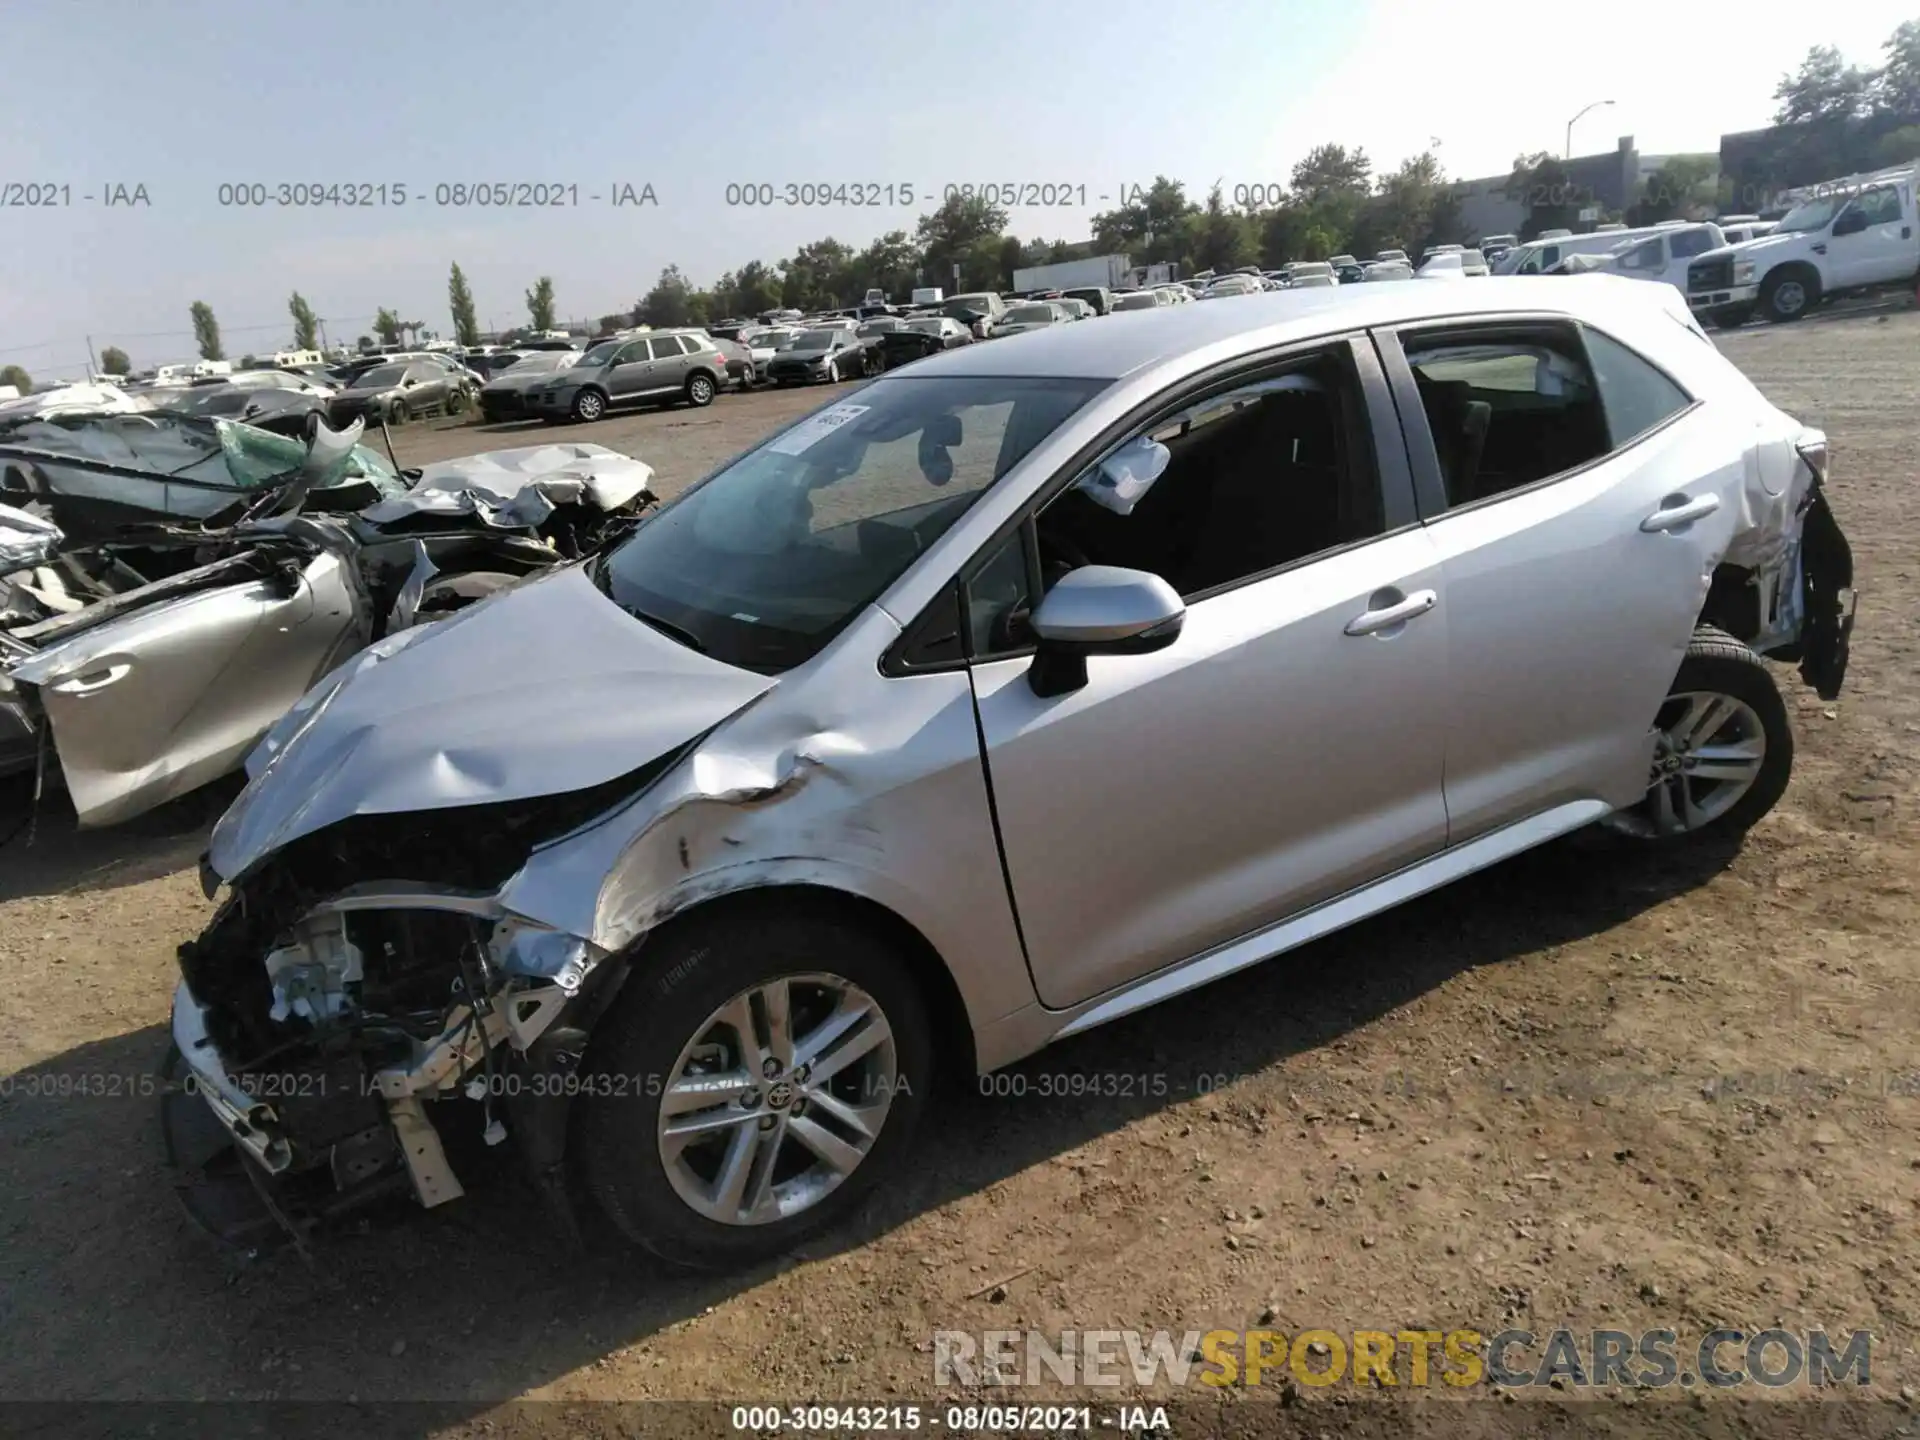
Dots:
pixel 1848 235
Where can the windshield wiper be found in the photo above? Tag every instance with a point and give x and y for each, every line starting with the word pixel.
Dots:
pixel 667 628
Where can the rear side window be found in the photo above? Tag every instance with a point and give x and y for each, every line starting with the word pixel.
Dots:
pixel 1635 395
pixel 666 346
pixel 1507 408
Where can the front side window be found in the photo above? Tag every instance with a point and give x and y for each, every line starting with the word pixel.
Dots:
pixel 1881 205
pixel 1233 487
pixel 1507 409
pixel 761 564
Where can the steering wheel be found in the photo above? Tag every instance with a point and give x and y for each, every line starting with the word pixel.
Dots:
pixel 1058 556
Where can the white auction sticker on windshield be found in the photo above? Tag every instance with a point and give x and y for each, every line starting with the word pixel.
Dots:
pixel 815 428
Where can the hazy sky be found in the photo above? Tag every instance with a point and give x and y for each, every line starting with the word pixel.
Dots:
pixel 186 95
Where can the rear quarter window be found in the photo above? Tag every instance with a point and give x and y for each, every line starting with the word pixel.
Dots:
pixel 1636 395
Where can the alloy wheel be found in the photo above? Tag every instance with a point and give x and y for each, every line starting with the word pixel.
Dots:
pixel 1709 749
pixel 777 1099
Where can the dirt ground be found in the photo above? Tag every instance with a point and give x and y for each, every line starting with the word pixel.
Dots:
pixel 1585 1089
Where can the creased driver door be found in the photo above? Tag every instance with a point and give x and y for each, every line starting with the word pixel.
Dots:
pixel 161 701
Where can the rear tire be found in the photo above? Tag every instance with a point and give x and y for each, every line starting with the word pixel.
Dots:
pixel 662 1029
pixel 700 390
pixel 1724 751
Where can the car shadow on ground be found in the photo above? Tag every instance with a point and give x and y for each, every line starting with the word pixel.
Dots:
pixel 489 1303
pixel 44 852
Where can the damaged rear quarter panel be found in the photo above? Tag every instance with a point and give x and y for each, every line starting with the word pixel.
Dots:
pixel 840 778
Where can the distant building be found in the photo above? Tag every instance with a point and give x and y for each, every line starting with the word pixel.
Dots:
pixel 1609 181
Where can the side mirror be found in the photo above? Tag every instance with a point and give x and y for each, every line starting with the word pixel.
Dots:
pixel 1850 222
pixel 1100 610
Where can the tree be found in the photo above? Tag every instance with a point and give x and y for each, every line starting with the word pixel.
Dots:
pixel 1406 201
pixel 1329 170
pixel 206 331
pixel 756 288
pixel 1825 87
pixel 13 375
pixel 1675 191
pixel 365 342
pixel 113 361
pixel 1151 225
pixel 386 324
pixel 466 323
pixel 248 362
pixel 1896 90
pixel 540 303
pixel 889 264
pixel 952 234
pixel 666 303
pixel 1539 183
pixel 816 277
pixel 1012 255
pixel 306 326
pixel 1221 240
pixel 610 323
pixel 1059 251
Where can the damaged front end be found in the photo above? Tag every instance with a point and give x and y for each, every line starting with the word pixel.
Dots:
pixel 331 1028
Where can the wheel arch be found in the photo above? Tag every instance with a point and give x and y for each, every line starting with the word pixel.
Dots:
pixel 772 895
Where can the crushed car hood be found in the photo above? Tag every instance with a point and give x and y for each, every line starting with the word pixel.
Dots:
pixel 518 488
pixel 546 688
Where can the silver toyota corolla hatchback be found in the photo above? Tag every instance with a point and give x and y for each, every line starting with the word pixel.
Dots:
pixel 1032 684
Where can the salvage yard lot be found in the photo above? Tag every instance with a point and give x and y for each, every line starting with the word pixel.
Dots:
pixel 1588 1088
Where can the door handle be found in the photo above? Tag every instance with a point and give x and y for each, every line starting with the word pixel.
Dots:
pixel 1385 616
pixel 91 681
pixel 1678 510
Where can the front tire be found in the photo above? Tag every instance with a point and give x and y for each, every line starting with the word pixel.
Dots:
pixel 760 1079
pixel 833 372
pixel 1723 749
pixel 588 406
pixel 1789 296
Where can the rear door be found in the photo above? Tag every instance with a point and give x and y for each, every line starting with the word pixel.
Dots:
pixel 159 702
pixel 670 364
pixel 1577 499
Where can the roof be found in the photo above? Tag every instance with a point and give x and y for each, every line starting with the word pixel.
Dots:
pixel 1109 348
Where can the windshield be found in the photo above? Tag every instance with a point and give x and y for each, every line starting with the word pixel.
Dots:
pixel 925 327
pixel 1028 315
pixel 381 377
pixel 1135 302
pixel 1813 215
pixel 762 563
pixel 816 340
pixel 878 327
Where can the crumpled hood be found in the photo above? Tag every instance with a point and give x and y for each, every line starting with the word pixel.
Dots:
pixel 520 487
pixel 545 688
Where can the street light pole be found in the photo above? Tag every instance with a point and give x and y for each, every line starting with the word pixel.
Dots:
pixel 1568 152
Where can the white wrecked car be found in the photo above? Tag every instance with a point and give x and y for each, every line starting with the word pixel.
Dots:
pixel 148 649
